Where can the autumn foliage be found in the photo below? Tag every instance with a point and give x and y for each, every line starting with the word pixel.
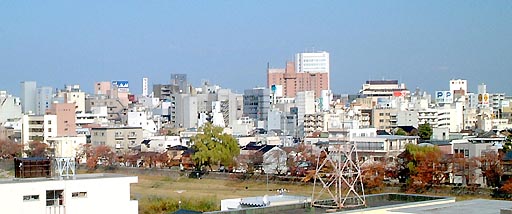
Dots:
pixel 507 187
pixel 98 155
pixel 421 167
pixel 37 149
pixel 491 168
pixel 9 149
pixel 373 176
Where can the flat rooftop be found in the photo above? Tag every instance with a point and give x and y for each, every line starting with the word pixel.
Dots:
pixel 476 206
pixel 55 178
pixel 376 203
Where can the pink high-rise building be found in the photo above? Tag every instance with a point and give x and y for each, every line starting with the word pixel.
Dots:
pixel 66 118
pixel 102 88
pixel 310 72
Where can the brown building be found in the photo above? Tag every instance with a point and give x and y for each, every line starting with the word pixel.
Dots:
pixel 294 82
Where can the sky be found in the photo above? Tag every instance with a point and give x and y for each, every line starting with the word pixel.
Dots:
pixel 423 44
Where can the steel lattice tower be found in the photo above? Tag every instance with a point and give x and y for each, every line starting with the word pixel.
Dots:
pixel 338 175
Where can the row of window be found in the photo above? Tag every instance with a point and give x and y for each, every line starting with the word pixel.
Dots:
pixel 54 197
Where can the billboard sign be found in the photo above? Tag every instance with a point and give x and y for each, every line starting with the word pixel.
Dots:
pixel 444 97
pixel 121 85
pixel 483 99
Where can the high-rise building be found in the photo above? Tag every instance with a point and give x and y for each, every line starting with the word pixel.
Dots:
pixel 28 96
pixel 66 118
pixel 181 81
pixel 102 88
pixel 257 103
pixel 317 62
pixel 309 72
pixel 44 100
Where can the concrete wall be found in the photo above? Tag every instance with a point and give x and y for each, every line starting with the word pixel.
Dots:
pixel 98 199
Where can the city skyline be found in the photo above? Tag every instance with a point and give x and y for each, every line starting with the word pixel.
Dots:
pixel 422 44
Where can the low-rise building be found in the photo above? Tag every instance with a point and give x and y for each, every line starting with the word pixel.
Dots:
pixel 84 193
pixel 118 138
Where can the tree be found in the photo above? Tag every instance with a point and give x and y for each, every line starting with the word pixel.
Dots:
pixel 421 167
pixel 373 175
pixel 400 131
pixel 37 149
pixel 465 168
pixel 162 159
pixel 98 154
pixel 508 144
pixel 425 131
pixel 491 168
pixel 9 149
pixel 214 147
pixel 507 187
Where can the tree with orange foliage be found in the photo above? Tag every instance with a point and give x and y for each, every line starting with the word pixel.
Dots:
pixel 98 154
pixel 373 176
pixel 507 187
pixel 421 167
pixel 162 159
pixel 37 149
pixel 465 168
pixel 9 149
pixel 491 168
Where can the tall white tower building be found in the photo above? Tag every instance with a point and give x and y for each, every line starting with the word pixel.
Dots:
pixel 317 62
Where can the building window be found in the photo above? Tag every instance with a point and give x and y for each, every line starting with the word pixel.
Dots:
pixel 31 198
pixel 49 122
pixel 54 197
pixel 79 194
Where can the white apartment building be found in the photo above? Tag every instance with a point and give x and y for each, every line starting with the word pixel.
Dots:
pixel 312 62
pixel 496 103
pixel 139 117
pixel 383 88
pixel 98 115
pixel 28 96
pixel 85 193
pixel 38 127
pixel 315 123
pixel 451 116
pixel 66 146
pixel 305 102
pixel 10 107
pixel 428 116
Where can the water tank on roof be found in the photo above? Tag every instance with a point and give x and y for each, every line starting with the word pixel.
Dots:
pixel 32 167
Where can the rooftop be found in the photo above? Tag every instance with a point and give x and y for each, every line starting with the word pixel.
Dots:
pixel 77 177
pixel 477 206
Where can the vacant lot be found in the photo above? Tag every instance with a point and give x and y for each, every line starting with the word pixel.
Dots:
pixel 160 186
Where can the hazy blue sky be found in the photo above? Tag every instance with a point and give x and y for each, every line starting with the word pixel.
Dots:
pixel 421 43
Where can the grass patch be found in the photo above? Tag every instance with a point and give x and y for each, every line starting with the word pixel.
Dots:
pixel 159 205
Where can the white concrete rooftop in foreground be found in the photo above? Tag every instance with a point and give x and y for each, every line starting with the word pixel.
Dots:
pixel 476 206
pixel 55 178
